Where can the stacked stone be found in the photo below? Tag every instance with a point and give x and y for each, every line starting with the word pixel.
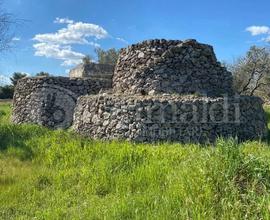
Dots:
pixel 170 91
pixel 94 71
pixel 169 118
pixel 50 101
pixel 160 66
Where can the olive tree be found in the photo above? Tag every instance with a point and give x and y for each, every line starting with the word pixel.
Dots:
pixel 107 57
pixel 252 72
pixel 42 73
pixel 6 24
pixel 87 60
pixel 16 77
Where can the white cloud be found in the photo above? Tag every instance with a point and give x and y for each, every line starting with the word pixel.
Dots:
pixel 266 39
pixel 94 44
pixel 58 45
pixel 258 30
pixel 59 52
pixel 74 33
pixel 4 80
pixel 16 39
pixel 63 21
pixel 27 74
pixel 122 40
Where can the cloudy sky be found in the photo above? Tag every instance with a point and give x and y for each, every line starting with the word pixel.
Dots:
pixel 56 34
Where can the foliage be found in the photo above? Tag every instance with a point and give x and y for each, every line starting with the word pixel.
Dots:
pixel 16 77
pixel 107 57
pixel 252 72
pixel 6 24
pixel 87 60
pixel 48 174
pixel 42 74
pixel 6 92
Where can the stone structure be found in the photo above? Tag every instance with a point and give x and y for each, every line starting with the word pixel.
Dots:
pixel 50 101
pixel 161 66
pixel 170 91
pixel 169 118
pixel 162 91
pixel 93 71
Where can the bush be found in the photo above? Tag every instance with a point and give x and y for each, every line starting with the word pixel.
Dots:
pixel 6 92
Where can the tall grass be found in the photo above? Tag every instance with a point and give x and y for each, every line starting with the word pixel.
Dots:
pixel 48 174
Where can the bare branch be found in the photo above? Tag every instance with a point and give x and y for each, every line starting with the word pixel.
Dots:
pixel 7 24
pixel 252 72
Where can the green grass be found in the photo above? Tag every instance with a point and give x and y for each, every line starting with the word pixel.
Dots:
pixel 48 174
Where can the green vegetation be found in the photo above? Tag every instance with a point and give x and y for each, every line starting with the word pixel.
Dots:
pixel 7 91
pixel 57 175
pixel 107 57
pixel 251 73
pixel 103 57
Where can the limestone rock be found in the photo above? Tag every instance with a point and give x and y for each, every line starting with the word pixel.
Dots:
pixel 183 67
pixel 171 118
pixel 50 101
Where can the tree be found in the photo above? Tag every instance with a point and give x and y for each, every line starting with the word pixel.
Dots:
pixel 6 23
pixel 6 92
pixel 42 74
pixel 87 60
pixel 107 57
pixel 252 72
pixel 16 76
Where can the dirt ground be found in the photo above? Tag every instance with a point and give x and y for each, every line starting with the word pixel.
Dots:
pixel 5 101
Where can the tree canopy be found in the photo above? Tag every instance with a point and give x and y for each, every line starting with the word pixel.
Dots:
pixel 16 76
pixel 42 74
pixel 252 72
pixel 107 57
pixel 6 24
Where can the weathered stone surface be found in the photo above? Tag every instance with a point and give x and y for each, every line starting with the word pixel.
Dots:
pixel 50 101
pixel 93 71
pixel 171 66
pixel 148 102
pixel 169 118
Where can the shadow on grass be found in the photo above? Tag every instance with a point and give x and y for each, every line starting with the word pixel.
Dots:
pixel 267 114
pixel 16 136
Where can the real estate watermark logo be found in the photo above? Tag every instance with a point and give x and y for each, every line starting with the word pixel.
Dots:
pixel 57 105
pixel 222 110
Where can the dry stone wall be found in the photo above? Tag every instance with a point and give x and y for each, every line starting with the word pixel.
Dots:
pixel 171 66
pixel 163 90
pixel 93 71
pixel 170 90
pixel 169 118
pixel 50 101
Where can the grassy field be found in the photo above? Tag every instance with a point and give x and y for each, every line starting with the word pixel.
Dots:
pixel 57 175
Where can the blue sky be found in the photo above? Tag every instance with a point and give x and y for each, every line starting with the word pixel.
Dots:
pixel 57 33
